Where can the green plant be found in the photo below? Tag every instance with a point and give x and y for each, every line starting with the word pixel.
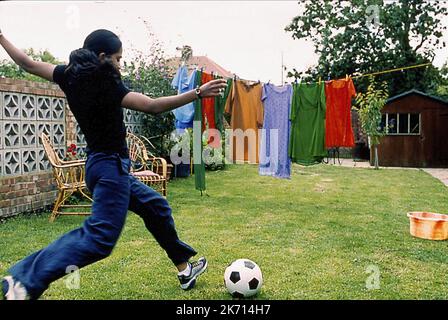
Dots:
pixel 370 105
pixel 10 69
pixel 149 74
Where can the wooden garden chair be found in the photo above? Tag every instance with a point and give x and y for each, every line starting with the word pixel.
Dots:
pixel 70 178
pixel 149 169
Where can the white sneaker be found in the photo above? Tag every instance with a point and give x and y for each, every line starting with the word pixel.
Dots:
pixel 13 290
pixel 196 268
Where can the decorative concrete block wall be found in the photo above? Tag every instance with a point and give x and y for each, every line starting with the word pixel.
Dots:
pixel 26 110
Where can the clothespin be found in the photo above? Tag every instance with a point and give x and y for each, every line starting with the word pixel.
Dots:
pixel 346 77
pixel 320 80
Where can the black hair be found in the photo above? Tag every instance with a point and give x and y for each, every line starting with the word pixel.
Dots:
pixel 102 41
pixel 86 74
pixel 84 63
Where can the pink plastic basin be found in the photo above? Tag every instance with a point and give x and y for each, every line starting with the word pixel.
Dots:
pixel 428 225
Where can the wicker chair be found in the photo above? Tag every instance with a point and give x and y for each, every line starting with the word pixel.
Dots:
pixel 69 176
pixel 149 169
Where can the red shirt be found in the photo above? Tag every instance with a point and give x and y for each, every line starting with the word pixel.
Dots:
pixel 338 122
pixel 208 115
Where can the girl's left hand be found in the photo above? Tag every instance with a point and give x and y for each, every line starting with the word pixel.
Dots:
pixel 213 88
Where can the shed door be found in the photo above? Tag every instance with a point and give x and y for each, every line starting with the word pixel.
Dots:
pixel 442 139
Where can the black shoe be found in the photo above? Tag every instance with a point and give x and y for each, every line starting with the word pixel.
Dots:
pixel 196 269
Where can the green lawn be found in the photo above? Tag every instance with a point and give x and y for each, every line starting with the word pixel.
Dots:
pixel 313 236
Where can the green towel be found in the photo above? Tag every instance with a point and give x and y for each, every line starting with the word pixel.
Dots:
pixel 220 103
pixel 198 162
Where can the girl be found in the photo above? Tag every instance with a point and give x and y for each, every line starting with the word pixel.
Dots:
pixel 95 93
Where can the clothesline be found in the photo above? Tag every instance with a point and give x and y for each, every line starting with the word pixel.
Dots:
pixel 392 70
pixel 235 77
pixel 317 128
pixel 382 72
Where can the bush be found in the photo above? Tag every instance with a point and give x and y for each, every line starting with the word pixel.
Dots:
pixel 149 74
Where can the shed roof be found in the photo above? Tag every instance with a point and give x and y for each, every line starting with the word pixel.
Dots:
pixel 414 91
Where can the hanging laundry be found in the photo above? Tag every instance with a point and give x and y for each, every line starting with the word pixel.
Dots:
pixel 307 138
pixel 246 109
pixel 198 162
pixel 274 159
pixel 183 83
pixel 338 123
pixel 208 115
pixel 220 102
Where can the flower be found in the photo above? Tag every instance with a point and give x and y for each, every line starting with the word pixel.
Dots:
pixel 71 152
pixel 71 148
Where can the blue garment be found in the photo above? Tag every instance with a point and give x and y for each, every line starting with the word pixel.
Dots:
pixel 182 83
pixel 114 192
pixel 274 159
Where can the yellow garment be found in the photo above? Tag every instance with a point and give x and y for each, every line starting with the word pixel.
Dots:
pixel 246 109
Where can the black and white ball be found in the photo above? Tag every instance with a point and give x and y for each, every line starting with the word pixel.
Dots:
pixel 243 278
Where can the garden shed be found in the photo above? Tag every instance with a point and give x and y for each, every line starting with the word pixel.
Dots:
pixel 418 131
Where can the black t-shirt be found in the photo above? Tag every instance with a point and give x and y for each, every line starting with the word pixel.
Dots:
pixel 99 112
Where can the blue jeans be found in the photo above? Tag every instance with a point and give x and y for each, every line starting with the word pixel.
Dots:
pixel 115 192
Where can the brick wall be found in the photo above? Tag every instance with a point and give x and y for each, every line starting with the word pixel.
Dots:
pixel 27 193
pixel 26 109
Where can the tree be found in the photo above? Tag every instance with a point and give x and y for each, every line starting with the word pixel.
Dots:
pixel 442 89
pixel 9 69
pixel 370 105
pixel 362 36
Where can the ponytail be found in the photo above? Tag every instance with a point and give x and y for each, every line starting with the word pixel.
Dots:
pixel 85 65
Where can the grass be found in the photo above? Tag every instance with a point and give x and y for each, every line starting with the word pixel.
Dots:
pixel 314 237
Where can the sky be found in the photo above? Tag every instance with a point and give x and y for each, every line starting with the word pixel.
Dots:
pixel 244 37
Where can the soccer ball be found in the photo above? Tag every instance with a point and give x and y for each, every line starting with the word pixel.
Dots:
pixel 243 278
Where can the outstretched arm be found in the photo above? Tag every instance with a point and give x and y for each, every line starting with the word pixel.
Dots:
pixel 38 68
pixel 140 102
